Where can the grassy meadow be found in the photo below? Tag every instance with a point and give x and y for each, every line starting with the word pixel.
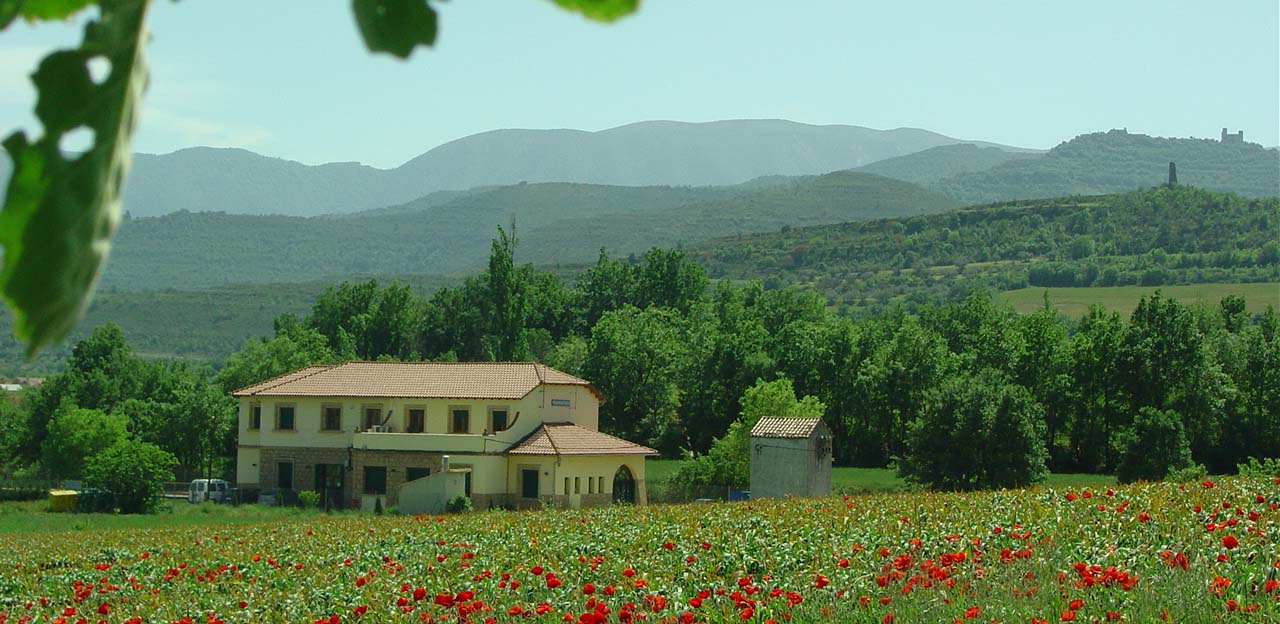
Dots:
pixel 1195 552
pixel 848 480
pixel 1074 302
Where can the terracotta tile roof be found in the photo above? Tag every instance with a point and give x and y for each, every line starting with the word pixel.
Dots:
pixel 275 381
pixel 777 427
pixel 419 380
pixel 570 439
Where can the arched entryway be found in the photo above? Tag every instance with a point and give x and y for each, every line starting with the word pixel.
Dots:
pixel 624 486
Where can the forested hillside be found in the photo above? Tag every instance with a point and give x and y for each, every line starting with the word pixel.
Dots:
pixel 1158 237
pixel 1116 161
pixel 1166 235
pixel 558 222
pixel 929 166
pixel 837 197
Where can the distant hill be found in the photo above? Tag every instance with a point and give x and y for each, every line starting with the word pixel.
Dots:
pixel 936 163
pixel 1116 161
pixel 653 153
pixel 812 200
pixel 555 223
pixel 1161 236
pixel 662 152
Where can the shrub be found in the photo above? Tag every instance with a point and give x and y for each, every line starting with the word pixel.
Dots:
pixel 458 504
pixel 1194 472
pixel 133 472
pixel 976 432
pixel 1260 468
pixel 1155 446
pixel 309 499
pixel 76 434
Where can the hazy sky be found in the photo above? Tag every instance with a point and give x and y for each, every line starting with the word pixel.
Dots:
pixel 291 78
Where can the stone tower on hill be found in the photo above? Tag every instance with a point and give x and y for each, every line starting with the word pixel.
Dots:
pixel 1237 137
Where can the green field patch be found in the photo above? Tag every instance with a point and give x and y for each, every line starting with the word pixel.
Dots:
pixel 1074 302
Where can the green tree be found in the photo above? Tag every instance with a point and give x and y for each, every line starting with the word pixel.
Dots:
pixel 293 347
pixel 1155 446
pixel 1044 369
pixel 891 387
pixel 603 287
pixel 634 357
pixel 101 372
pixel 667 278
pixel 134 472
pixel 1166 365
pixel 1099 404
pixel 978 431
pixel 77 434
pixel 506 304
pixel 727 354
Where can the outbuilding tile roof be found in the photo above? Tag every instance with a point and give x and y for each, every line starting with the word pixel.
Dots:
pixel 778 427
pixel 570 439
pixel 425 380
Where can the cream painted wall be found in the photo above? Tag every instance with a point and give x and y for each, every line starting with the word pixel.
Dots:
pixel 534 409
pixel 577 469
pixel 247 470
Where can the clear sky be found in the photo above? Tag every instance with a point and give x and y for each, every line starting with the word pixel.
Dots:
pixel 291 78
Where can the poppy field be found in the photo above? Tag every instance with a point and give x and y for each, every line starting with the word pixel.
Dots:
pixel 1204 552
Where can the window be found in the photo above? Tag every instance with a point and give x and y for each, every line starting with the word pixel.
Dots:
pixel 577 485
pixel 599 485
pixel 372 416
pixel 375 479
pixel 411 474
pixel 284 417
pixel 529 483
pixel 284 475
pixel 331 418
pixel 255 416
pixel 566 485
pixel 459 420
pixel 497 419
pixel 417 420
pixel 591 485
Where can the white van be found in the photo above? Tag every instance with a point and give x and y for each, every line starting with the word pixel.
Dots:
pixel 215 490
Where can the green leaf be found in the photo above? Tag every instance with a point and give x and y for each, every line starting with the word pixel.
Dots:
pixel 601 10
pixel 8 11
pixel 395 26
pixel 42 9
pixel 61 211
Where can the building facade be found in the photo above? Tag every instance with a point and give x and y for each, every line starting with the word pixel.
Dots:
pixel 519 434
pixel 790 457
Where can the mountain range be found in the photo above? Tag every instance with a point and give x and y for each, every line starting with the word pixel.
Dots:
pixel 651 153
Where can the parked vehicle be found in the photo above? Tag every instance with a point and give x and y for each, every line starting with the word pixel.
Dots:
pixel 268 497
pixel 215 490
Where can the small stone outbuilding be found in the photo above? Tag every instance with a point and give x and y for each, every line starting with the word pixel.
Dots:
pixel 790 457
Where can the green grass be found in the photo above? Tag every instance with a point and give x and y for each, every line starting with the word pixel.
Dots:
pixel 874 480
pixel 34 517
pixel 1074 302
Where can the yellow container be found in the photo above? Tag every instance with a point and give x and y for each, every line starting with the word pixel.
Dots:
pixel 63 501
